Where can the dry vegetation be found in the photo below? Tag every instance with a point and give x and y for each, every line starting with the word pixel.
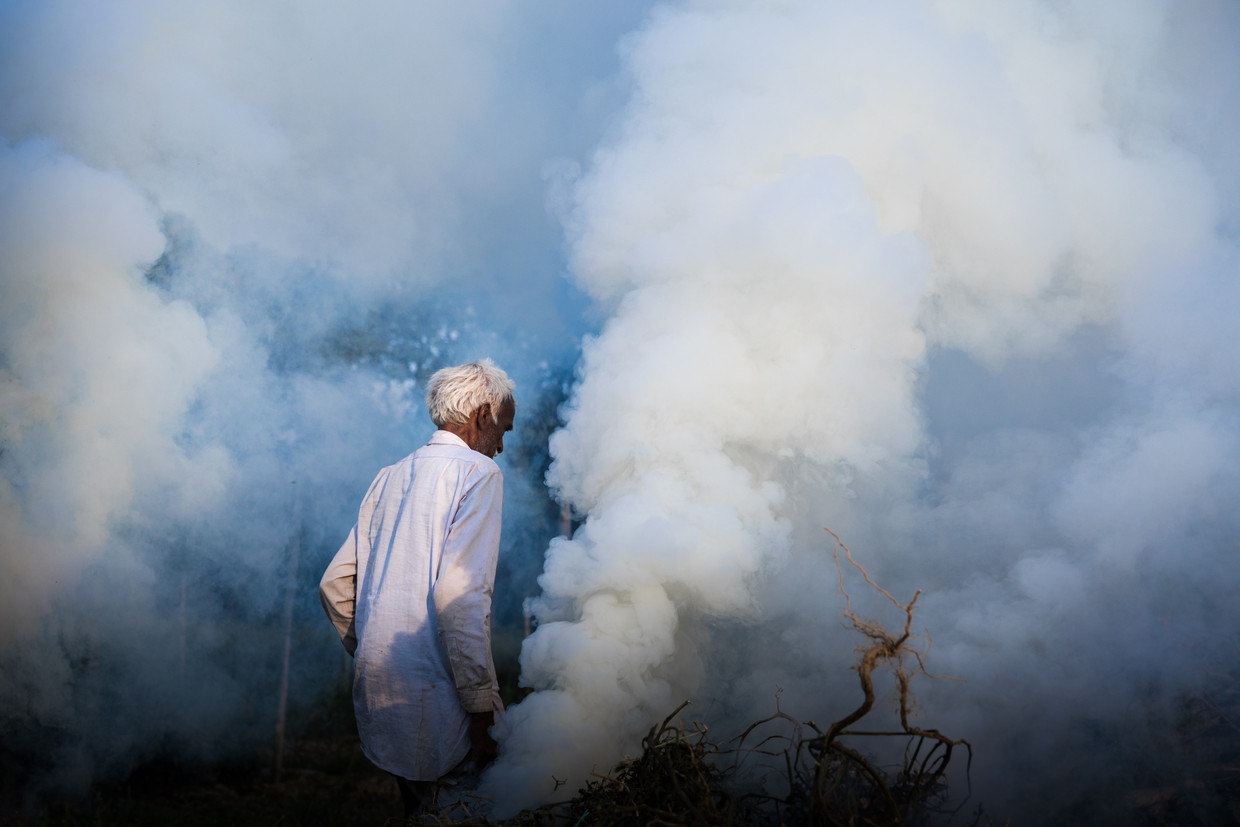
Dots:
pixel 810 775
pixel 682 777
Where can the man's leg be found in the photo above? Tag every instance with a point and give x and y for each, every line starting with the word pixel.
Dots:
pixel 414 794
pixel 418 796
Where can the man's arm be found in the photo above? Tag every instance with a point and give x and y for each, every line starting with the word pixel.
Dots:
pixel 462 597
pixel 338 591
pixel 482 746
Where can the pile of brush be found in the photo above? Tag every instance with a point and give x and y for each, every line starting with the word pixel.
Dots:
pixel 683 778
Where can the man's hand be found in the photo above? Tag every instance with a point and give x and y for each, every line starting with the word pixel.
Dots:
pixel 481 745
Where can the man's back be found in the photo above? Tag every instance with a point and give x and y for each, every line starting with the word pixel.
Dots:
pixel 424 550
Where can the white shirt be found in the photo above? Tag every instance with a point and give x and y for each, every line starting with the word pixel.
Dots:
pixel 410 595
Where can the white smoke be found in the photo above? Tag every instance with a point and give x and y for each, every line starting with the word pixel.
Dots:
pixel 98 372
pixel 953 278
pixel 234 239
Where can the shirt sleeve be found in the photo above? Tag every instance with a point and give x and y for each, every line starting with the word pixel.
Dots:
pixel 462 593
pixel 338 591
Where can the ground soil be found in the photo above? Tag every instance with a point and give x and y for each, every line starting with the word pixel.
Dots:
pixel 324 781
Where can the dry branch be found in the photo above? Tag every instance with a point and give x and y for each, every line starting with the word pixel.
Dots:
pixel 683 779
pixel 832 801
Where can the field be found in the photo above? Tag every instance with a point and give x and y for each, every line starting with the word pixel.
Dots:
pixel 1183 768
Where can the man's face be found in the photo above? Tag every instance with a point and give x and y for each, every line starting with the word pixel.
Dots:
pixel 491 434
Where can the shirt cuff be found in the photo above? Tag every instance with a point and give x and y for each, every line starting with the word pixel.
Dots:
pixel 477 700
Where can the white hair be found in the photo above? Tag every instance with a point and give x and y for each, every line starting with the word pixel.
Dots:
pixel 453 394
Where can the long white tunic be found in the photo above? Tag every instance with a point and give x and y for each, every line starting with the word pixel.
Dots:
pixel 410 595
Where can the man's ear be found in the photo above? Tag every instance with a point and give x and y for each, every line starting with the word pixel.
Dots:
pixel 482 416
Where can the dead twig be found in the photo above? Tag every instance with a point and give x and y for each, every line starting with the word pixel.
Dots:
pixel 921 775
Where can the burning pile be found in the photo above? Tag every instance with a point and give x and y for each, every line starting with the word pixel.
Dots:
pixel 808 775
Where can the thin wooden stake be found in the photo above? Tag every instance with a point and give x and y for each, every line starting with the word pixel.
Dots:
pixel 184 623
pixel 290 596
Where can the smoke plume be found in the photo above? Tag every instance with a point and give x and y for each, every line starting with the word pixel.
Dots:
pixel 955 279
pixel 235 241
pixel 950 278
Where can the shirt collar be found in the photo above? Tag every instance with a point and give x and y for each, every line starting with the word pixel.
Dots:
pixel 446 438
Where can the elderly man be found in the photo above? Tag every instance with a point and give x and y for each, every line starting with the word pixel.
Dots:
pixel 410 590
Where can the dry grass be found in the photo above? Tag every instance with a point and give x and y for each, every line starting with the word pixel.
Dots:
pixel 684 779
pixel 681 778
pixel 1182 767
